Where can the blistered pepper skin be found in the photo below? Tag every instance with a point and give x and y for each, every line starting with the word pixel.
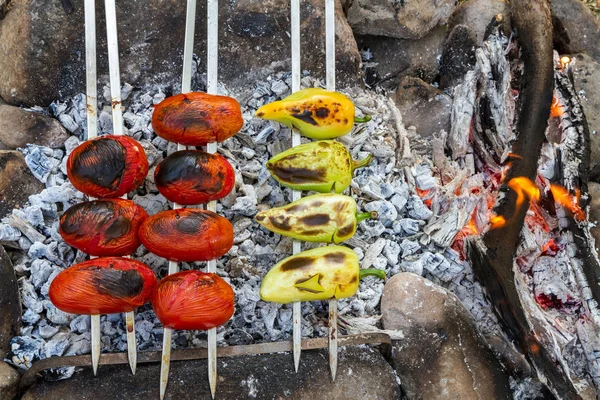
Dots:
pixel 107 166
pixel 327 218
pixel 316 113
pixel 187 234
pixel 196 118
pixel 103 286
pixel 320 166
pixel 193 177
pixel 103 227
pixel 192 300
pixel 318 274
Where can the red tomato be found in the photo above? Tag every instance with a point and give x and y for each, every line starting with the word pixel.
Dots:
pixel 103 286
pixel 191 300
pixel 187 234
pixel 107 166
pixel 103 227
pixel 197 118
pixel 193 177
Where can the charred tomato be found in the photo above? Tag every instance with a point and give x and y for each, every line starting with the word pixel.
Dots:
pixel 191 300
pixel 187 234
pixel 193 177
pixel 103 227
pixel 197 118
pixel 107 166
pixel 103 286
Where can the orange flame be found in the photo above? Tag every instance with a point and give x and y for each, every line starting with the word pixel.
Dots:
pixel 565 61
pixel 570 202
pixel 524 188
pixel 556 109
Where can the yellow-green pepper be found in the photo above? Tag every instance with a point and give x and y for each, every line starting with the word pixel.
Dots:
pixel 318 274
pixel 328 218
pixel 319 166
pixel 316 113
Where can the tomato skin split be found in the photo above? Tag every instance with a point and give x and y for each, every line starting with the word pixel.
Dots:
pixel 103 227
pixel 104 285
pixel 107 166
pixel 192 300
pixel 187 234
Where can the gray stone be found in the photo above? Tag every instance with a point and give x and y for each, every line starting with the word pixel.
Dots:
pixel 478 14
pixel 9 382
pixel 409 19
pixel 16 182
pixel 394 58
pixel 10 316
pixel 423 106
pixel 441 355
pixel 594 216
pixel 577 30
pixel 253 42
pixel 20 127
pixel 362 374
pixel 586 76
pixel 458 56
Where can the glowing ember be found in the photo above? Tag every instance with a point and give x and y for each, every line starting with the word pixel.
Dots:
pixel 565 61
pixel 524 188
pixel 570 202
pixel 556 109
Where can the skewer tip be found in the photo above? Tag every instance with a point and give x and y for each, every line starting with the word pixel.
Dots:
pixel 131 342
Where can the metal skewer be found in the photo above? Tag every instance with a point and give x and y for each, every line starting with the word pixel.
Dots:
pixel 91 100
pixel 212 43
pixel 330 83
pixel 296 194
pixel 117 118
pixel 186 86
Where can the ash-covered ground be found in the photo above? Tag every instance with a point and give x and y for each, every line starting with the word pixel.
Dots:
pixel 395 242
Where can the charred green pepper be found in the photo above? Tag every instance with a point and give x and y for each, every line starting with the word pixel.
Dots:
pixel 318 274
pixel 320 166
pixel 329 218
pixel 316 113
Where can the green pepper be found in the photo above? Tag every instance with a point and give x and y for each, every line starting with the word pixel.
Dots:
pixel 318 166
pixel 319 274
pixel 329 218
pixel 316 113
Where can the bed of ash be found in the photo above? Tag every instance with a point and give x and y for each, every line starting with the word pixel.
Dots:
pixel 389 185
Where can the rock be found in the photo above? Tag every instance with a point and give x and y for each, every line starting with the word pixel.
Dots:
pixel 478 14
pixel 20 127
pixel 426 108
pixel 16 181
pixel 151 36
pixel 9 382
pixel 3 8
pixel 409 19
pixel 441 355
pixel 576 29
pixel 586 75
pixel 395 58
pixel 362 373
pixel 458 56
pixel 594 217
pixel 10 317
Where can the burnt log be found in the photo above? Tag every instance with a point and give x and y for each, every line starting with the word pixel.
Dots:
pixel 492 257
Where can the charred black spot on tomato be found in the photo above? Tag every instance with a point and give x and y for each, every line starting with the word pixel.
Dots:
pixel 101 162
pixel 315 220
pixel 346 230
pixel 298 175
pixel 280 222
pixel 306 116
pixel 345 121
pixel 116 282
pixel 322 112
pixel 336 258
pixel 86 216
pixel 297 263
pixel 118 228
pixel 191 223
pixel 186 100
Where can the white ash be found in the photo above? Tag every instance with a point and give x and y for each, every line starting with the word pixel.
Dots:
pixel 391 243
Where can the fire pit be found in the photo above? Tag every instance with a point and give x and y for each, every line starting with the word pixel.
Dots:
pixel 483 231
